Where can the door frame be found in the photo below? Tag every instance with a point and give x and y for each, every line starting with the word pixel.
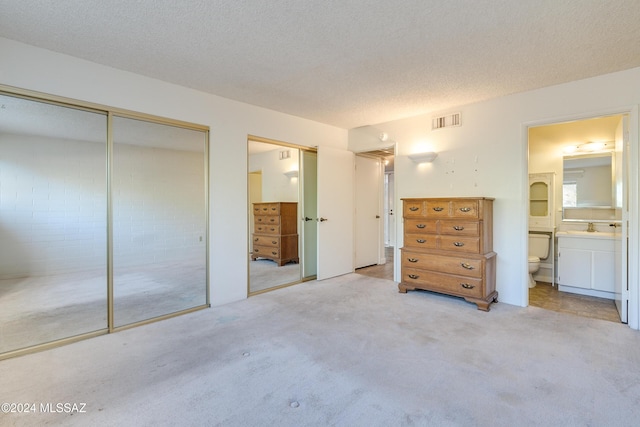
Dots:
pixel 633 230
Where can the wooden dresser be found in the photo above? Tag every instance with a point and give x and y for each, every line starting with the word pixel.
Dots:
pixel 448 248
pixel 275 232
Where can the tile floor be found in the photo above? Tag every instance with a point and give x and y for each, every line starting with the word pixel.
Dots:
pixel 550 298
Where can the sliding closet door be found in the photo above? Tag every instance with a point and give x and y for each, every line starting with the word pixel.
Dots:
pixel 159 220
pixel 53 216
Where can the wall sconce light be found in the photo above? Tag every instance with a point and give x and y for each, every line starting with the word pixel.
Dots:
pixel 427 157
pixel 292 174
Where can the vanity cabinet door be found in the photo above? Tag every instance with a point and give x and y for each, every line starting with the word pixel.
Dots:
pixel 574 268
pixel 604 271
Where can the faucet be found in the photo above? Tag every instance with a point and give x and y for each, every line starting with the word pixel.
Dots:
pixel 591 228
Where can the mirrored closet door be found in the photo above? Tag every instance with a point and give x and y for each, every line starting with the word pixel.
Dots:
pixel 276 223
pixel 159 220
pixel 53 222
pixel 103 221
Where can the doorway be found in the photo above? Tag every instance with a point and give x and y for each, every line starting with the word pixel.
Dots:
pixel 587 157
pixel 375 220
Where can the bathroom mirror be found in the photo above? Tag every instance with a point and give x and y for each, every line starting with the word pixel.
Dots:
pixel 588 185
pixel 274 229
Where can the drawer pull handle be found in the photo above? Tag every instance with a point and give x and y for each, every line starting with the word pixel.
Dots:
pixel 274 253
pixel 273 229
pixel 458 244
pixel 264 209
pixel 275 242
pixel 465 209
pixel 412 259
pixel 458 227
pixel 259 219
pixel 256 250
pixel 256 239
pixel 467 266
pixel 420 240
pixel 420 225
pixel 438 209
pixel 467 286
pixel 272 220
pixel 413 208
pixel 413 276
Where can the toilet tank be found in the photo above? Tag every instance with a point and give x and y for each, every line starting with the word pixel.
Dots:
pixel 539 245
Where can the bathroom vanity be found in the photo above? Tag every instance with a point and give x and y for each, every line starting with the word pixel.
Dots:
pixel 586 263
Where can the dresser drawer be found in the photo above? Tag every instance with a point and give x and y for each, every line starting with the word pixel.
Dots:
pixel 266 251
pixel 437 208
pixel 446 283
pixel 271 241
pixel 420 226
pixel 413 208
pixel 459 227
pixel 266 209
pixel 464 208
pixel 460 244
pixel 267 229
pixel 267 219
pixel 421 241
pixel 442 263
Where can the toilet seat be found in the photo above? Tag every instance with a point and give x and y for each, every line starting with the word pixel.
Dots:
pixel 533 258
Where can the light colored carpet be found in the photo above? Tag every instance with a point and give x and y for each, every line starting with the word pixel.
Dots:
pixel 349 351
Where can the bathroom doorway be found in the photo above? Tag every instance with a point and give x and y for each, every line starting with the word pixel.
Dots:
pixel 587 194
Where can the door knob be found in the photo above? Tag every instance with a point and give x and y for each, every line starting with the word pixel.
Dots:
pixel 377 216
pixel 322 219
pixel 306 218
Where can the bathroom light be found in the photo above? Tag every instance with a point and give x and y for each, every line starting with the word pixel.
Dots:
pixel 427 157
pixel 593 146
pixel 292 174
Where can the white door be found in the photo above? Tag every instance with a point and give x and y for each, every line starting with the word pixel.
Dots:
pixel 335 212
pixel 368 222
pixel 622 160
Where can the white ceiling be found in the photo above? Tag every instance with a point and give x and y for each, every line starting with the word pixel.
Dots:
pixel 345 63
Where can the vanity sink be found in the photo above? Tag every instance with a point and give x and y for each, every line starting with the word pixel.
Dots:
pixel 591 234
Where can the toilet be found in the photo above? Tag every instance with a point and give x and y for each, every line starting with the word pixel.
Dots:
pixel 538 249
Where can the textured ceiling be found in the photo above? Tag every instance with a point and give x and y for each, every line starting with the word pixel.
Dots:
pixel 347 63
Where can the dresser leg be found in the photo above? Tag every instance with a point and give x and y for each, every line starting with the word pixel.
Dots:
pixel 402 288
pixel 483 304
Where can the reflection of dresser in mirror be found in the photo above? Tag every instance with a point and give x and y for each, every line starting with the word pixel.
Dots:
pixel 275 233
pixel 542 219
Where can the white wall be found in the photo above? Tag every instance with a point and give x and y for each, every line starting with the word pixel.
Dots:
pixel 230 122
pixel 487 156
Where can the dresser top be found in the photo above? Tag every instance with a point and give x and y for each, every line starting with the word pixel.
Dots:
pixel 447 198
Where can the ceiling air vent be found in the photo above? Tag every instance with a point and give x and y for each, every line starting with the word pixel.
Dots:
pixel 446 121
